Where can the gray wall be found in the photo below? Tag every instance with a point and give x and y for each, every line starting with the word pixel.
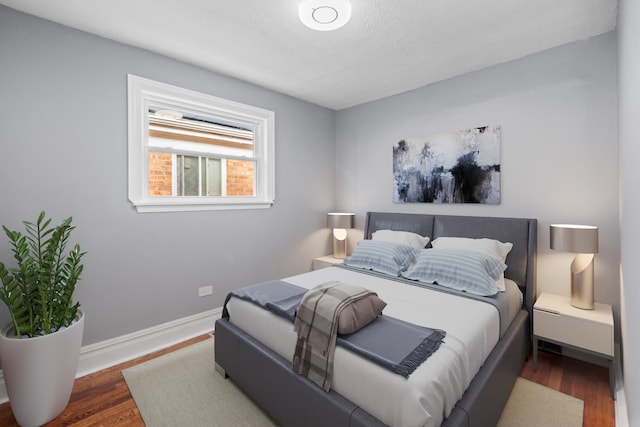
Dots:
pixel 559 161
pixel 63 133
pixel 629 112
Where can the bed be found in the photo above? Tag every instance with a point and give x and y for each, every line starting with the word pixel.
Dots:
pixel 252 351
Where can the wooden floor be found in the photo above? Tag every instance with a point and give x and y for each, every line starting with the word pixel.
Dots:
pixel 103 399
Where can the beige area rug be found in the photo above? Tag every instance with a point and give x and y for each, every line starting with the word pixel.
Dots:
pixel 531 404
pixel 183 389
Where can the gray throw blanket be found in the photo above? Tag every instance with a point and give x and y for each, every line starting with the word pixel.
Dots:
pixel 316 324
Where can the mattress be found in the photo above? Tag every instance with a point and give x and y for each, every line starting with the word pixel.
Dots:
pixel 430 393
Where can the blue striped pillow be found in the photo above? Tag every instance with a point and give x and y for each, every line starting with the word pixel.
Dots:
pixel 458 269
pixel 384 257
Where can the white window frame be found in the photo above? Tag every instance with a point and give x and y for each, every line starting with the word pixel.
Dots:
pixel 143 93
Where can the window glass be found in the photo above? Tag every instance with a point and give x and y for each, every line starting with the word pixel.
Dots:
pixel 190 151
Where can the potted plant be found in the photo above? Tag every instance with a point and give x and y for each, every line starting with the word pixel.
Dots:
pixel 40 347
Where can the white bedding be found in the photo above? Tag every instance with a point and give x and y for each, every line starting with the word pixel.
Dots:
pixel 430 393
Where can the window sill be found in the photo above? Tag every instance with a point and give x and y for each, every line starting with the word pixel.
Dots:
pixel 199 205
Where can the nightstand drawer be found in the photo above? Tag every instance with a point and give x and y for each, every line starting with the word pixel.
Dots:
pixel 574 331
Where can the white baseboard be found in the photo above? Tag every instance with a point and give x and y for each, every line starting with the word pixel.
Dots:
pixel 102 355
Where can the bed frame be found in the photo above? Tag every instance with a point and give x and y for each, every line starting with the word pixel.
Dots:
pixel 292 400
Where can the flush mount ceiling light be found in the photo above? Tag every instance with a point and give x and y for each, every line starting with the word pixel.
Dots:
pixel 324 15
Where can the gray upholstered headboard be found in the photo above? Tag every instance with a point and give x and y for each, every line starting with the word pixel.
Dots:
pixel 522 232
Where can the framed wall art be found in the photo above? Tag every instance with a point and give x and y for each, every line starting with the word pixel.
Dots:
pixel 451 167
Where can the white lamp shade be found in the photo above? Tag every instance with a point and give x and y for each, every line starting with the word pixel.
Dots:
pixel 581 239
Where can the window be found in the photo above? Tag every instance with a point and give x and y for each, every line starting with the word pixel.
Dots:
pixel 191 151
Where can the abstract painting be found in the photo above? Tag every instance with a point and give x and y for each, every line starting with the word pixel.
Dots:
pixel 451 167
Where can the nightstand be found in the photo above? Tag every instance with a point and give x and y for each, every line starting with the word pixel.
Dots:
pixel 589 331
pixel 325 261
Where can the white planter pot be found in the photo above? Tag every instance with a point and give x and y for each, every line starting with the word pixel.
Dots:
pixel 39 372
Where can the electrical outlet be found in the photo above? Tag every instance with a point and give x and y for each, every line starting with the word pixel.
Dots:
pixel 205 290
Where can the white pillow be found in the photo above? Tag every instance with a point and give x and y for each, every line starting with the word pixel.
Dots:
pixel 408 238
pixel 497 249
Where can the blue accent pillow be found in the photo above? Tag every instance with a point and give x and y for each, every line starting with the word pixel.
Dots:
pixel 384 257
pixel 458 269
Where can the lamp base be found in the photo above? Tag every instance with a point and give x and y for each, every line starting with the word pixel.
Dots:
pixel 339 248
pixel 339 243
pixel 582 282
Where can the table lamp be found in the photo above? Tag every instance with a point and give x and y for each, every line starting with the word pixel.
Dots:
pixel 583 241
pixel 340 222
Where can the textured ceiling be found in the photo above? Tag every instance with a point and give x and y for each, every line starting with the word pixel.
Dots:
pixel 388 47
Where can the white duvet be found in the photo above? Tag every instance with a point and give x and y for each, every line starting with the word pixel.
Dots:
pixel 428 396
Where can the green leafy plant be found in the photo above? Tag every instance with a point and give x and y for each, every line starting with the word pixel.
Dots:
pixel 39 291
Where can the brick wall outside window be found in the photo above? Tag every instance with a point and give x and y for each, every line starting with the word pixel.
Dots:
pixel 240 175
pixel 160 179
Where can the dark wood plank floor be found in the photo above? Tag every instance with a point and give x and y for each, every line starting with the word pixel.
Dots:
pixel 103 399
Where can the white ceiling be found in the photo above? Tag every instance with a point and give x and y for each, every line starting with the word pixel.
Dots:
pixel 388 47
